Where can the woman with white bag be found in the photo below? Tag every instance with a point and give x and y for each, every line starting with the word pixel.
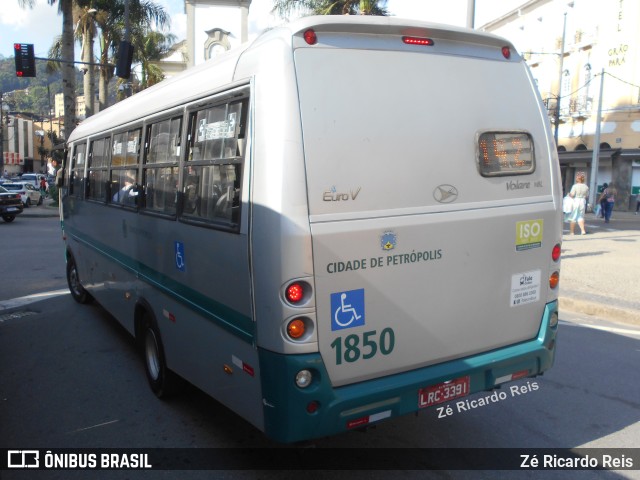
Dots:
pixel 579 194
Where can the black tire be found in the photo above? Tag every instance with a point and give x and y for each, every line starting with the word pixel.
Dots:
pixel 41 201
pixel 27 204
pixel 78 292
pixel 8 218
pixel 163 382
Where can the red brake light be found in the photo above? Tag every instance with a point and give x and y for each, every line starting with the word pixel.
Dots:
pixel 295 292
pixel 310 37
pixel 417 41
pixel 506 52
pixel 556 252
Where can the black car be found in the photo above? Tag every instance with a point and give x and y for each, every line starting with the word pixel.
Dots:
pixel 10 204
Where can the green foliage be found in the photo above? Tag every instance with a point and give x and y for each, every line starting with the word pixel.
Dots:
pixel 53 193
pixel 29 95
pixel 331 7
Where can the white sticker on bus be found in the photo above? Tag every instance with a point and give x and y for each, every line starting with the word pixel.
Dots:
pixel 525 288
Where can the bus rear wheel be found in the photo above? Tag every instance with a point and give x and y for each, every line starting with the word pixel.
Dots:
pixel 163 382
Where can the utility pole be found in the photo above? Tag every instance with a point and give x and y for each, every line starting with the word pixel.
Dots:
pixel 471 13
pixel 564 35
pixel 593 181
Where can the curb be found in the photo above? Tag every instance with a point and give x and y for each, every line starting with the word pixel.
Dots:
pixel 616 314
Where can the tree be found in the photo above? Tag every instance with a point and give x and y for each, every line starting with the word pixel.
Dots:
pixel 65 7
pixel 144 15
pixel 285 8
pixel 86 31
pixel 150 47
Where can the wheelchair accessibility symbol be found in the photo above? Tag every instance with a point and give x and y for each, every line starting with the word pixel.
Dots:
pixel 347 309
pixel 180 260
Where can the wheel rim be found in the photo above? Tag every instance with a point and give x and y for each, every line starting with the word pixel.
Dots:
pixel 74 282
pixel 152 355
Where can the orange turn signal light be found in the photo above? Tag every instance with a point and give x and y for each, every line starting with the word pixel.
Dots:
pixel 296 328
pixel 554 279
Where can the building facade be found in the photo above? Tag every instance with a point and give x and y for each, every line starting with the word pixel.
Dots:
pixel 584 56
pixel 18 151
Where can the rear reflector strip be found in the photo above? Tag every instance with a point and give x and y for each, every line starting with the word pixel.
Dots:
pixel 513 376
pixel 359 422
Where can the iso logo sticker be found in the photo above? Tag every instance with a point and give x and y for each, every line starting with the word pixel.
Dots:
pixel 529 234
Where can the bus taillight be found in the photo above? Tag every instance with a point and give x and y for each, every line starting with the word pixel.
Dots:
pixel 554 279
pixel 426 42
pixel 555 253
pixel 295 293
pixel 310 37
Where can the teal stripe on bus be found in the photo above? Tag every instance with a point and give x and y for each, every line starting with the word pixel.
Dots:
pixel 222 315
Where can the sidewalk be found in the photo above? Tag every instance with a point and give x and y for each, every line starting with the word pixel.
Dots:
pixel 599 275
pixel 600 271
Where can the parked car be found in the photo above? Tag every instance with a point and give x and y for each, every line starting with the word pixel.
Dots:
pixel 28 192
pixel 32 178
pixel 10 204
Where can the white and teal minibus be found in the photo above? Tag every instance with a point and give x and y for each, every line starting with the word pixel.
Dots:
pixel 347 220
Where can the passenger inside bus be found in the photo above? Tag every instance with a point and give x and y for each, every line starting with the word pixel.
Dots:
pixel 127 194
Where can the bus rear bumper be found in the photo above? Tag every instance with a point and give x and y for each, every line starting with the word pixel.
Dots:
pixel 294 414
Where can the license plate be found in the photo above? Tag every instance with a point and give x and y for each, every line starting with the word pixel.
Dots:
pixel 443 392
pixel 12 209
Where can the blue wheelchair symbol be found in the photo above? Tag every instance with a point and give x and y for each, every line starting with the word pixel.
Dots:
pixel 347 309
pixel 180 260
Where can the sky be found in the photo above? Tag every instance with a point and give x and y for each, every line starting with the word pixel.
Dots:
pixel 42 24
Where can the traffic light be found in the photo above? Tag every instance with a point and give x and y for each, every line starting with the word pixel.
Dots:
pixel 25 60
pixel 125 57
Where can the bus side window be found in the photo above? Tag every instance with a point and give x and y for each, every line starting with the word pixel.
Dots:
pixel 124 168
pixel 214 166
pixel 98 173
pixel 162 154
pixel 76 180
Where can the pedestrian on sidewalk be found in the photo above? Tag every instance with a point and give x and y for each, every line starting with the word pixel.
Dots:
pixel 609 198
pixel 43 187
pixel 579 192
pixel 602 201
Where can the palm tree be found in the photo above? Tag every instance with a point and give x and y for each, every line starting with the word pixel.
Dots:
pixel 86 31
pixel 65 7
pixel 144 15
pixel 150 47
pixel 285 8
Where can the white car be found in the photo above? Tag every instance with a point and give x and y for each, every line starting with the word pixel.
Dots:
pixel 30 194
pixel 32 178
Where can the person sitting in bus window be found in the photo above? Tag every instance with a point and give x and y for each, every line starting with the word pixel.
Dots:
pixel 124 195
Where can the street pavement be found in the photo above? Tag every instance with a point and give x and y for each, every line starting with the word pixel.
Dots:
pixel 600 271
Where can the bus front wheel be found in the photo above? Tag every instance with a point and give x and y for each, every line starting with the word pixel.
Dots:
pixel 78 292
pixel 162 380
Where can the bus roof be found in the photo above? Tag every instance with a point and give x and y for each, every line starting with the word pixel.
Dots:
pixel 211 76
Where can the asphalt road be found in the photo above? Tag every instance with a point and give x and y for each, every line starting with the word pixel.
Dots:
pixel 70 377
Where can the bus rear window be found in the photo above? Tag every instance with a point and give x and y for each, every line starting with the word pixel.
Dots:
pixel 505 153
